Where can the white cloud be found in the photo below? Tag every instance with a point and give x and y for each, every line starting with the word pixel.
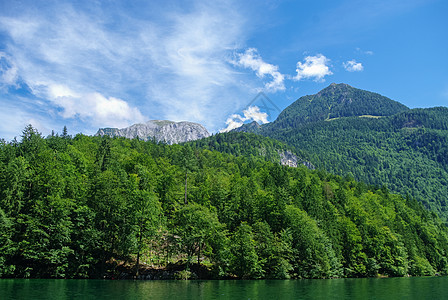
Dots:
pixel 353 66
pixel 195 81
pixel 94 107
pixel 8 71
pixel 233 122
pixel 58 90
pixel 367 52
pixel 251 59
pixel 314 67
pixel 252 113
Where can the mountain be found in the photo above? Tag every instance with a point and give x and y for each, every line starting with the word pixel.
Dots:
pixel 351 132
pixel 336 101
pixel 161 131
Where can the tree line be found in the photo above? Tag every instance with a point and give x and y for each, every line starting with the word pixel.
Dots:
pixel 72 206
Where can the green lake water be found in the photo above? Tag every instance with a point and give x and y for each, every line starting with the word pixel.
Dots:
pixel 369 288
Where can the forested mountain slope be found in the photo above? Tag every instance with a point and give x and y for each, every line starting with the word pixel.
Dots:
pixel 335 101
pixel 73 207
pixel 348 131
pixel 255 147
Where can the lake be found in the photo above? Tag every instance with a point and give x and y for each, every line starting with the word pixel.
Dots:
pixel 366 288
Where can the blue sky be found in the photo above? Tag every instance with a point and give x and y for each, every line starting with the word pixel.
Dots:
pixel 91 64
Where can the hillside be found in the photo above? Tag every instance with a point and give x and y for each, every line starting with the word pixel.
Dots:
pixel 78 207
pixel 335 101
pixel 255 147
pixel 351 132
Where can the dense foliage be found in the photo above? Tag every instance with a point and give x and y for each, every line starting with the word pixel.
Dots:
pixel 408 151
pixel 71 206
pixel 253 146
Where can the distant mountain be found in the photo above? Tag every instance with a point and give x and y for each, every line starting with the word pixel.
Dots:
pixel 351 132
pixel 336 101
pixel 161 131
pixel 249 127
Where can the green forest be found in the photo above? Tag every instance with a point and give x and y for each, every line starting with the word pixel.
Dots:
pixel 76 207
pixel 407 151
pixel 360 134
pixel 335 101
pixel 253 146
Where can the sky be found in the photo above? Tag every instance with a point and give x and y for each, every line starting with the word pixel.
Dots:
pixel 91 64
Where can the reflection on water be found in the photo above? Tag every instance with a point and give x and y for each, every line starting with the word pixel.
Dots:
pixel 369 288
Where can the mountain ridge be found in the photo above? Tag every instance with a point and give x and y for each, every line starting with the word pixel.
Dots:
pixel 159 130
pixel 335 101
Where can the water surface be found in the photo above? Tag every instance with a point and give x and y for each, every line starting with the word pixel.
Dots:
pixel 368 288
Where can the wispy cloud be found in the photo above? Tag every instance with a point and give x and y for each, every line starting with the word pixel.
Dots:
pixel 93 107
pixel 251 59
pixel 174 65
pixel 353 66
pixel 8 71
pixel 367 52
pixel 196 82
pixel 252 113
pixel 66 60
pixel 12 124
pixel 314 67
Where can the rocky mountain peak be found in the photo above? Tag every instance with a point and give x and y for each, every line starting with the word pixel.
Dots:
pixel 160 130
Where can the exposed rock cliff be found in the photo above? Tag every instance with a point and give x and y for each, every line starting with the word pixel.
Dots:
pixel 287 158
pixel 162 131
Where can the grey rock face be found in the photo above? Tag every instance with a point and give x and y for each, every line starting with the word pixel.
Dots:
pixel 287 158
pixel 161 131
